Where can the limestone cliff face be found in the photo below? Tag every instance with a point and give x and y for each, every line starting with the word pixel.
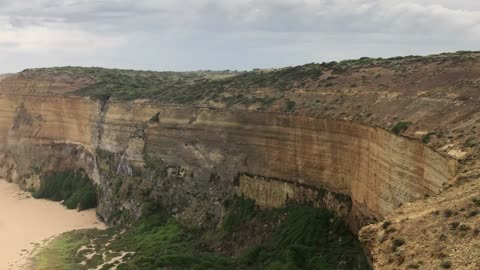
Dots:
pixel 192 159
pixel 44 134
pixel 143 154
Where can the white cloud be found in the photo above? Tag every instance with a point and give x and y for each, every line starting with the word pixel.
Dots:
pixel 161 34
pixel 44 38
pixel 246 15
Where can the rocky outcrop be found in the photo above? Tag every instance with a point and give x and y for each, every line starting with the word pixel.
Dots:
pixel 192 159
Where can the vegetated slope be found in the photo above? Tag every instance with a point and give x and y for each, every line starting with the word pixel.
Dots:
pixel 297 237
pixel 441 232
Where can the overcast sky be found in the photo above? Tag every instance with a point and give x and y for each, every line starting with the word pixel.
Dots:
pixel 228 34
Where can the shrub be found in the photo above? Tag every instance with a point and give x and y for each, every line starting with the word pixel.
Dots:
pixel 390 230
pixel 472 213
pixel 188 87
pixel 386 224
pixel 241 210
pixel 102 97
pixel 476 201
pixel 454 225
pixel 447 213
pixel 400 127
pixel 72 187
pixel 82 199
pixel 442 237
pixel 413 265
pixel 470 143
pixel 307 238
pixel 446 264
pixel 398 242
pixel 426 137
pixel 289 106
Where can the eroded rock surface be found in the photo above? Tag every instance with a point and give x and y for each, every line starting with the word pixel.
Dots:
pixel 320 140
pixel 188 158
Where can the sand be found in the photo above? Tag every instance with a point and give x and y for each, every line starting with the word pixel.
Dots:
pixel 25 223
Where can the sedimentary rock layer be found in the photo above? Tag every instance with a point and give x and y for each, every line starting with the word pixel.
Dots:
pixel 203 151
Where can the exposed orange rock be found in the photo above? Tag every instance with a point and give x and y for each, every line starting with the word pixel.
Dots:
pixel 336 144
pixel 377 169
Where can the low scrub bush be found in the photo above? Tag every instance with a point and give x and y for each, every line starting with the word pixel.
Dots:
pixel 400 127
pixel 446 264
pixel 72 187
pixel 289 106
pixel 308 238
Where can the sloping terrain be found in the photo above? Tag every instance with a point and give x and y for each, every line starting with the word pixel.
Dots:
pixel 441 232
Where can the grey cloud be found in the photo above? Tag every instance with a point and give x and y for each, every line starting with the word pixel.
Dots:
pixel 237 15
pixel 237 34
pixel 8 44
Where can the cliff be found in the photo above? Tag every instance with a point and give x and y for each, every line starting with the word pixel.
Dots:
pixel 209 153
pixel 316 134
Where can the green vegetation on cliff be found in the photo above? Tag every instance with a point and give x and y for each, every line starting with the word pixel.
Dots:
pixel 60 253
pixel 190 87
pixel 230 87
pixel 400 127
pixel 297 237
pixel 73 187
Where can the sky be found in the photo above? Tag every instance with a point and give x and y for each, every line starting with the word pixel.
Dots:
pixel 228 34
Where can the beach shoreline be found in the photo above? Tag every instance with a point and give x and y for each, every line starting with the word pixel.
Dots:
pixel 27 224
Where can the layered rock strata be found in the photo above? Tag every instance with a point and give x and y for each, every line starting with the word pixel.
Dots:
pixel 192 159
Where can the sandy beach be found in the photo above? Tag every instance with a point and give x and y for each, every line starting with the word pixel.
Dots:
pixel 26 222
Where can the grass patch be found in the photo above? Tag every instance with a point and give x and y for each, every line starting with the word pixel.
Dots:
pixel 60 253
